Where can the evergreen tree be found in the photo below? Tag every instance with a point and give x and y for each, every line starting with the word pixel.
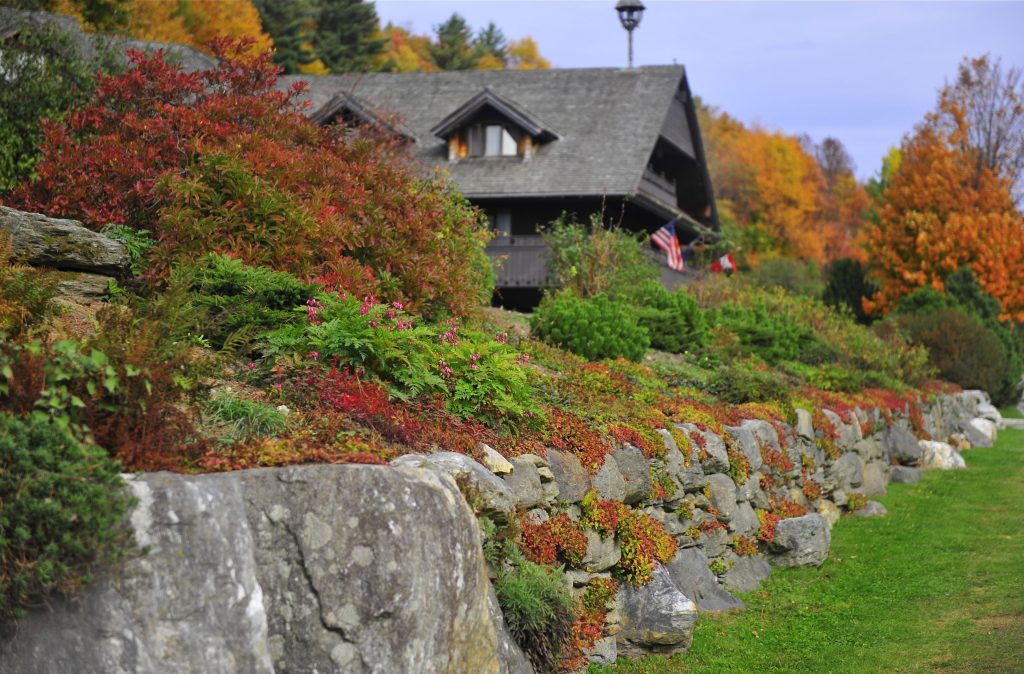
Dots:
pixel 348 35
pixel 491 42
pixel 454 48
pixel 291 25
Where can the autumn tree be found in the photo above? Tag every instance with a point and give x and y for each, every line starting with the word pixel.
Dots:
pixel 291 25
pixel 992 101
pixel 197 22
pixel 523 54
pixel 105 16
pixel 941 212
pixel 404 52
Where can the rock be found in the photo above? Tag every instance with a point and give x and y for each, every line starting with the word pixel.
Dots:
pixel 511 658
pixel 604 651
pixel 690 478
pixel 690 573
pixel 801 541
pixel 876 476
pixel 83 287
pixel 746 574
pixel 314 568
pixel 980 432
pixel 571 477
pixel 494 462
pixel 902 444
pixel 608 482
pixel 635 471
pixel 494 496
pixel 990 412
pixel 846 472
pixel 830 511
pixel 42 241
pixel 723 495
pixel 940 455
pixel 715 542
pixel 717 460
pixel 744 522
pixel 849 434
pixel 746 442
pixel 655 618
pixel 524 481
pixel 602 553
pixel 868 449
pixel 904 474
pixel 872 509
pixel 745 491
pixel 804 425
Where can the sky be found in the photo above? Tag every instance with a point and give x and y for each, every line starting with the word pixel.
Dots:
pixel 862 72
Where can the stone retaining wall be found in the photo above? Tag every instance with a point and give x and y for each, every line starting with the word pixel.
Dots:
pixel 369 569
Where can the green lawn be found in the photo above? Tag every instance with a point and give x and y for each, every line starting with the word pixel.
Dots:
pixel 937 586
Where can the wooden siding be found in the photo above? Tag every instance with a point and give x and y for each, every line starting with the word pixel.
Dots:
pixel 520 261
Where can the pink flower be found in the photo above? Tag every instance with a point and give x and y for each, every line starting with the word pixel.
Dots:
pixel 502 338
pixel 445 369
pixel 252 365
pixel 397 305
pixel 523 358
pixel 314 355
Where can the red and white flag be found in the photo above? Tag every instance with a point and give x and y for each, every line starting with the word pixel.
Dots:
pixel 665 238
pixel 724 263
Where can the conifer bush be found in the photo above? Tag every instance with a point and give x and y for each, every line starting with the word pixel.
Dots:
pixel 61 504
pixel 594 328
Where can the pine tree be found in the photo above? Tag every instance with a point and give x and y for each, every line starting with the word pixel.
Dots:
pixel 454 47
pixel 348 35
pixel 291 25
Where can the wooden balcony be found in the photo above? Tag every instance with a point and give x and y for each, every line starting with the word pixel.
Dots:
pixel 519 261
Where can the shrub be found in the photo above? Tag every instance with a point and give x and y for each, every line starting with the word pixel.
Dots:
pixel 44 73
pixel 746 382
pixel 674 321
pixel 846 286
pixel 796 277
pixel 771 335
pixel 60 506
pixel 595 260
pixel 241 302
pixel 475 374
pixel 223 161
pixel 594 328
pixel 960 347
pixel 538 610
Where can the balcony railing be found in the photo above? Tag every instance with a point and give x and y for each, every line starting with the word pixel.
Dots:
pixel 520 261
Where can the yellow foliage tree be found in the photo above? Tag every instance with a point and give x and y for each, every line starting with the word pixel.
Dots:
pixel 523 54
pixel 197 22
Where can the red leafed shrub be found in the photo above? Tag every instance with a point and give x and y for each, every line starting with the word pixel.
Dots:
pixel 786 508
pixel 591 613
pixel 557 537
pixel 768 521
pixel 776 460
pixel 221 161
pixel 567 432
pixel 643 539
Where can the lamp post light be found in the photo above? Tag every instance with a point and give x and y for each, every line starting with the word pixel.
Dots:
pixel 630 13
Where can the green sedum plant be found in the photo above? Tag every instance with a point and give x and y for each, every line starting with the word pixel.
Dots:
pixel 61 503
pixel 594 328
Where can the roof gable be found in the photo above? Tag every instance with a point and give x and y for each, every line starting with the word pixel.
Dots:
pixel 506 108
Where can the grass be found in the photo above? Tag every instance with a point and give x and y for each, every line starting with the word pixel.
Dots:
pixel 937 586
pixel 245 418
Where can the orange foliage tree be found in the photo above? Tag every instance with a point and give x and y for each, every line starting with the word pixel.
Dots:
pixel 940 213
pixel 777 194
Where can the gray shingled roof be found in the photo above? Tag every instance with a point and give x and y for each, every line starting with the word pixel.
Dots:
pixel 607 120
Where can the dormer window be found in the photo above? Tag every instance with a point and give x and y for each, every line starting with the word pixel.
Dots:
pixel 490 126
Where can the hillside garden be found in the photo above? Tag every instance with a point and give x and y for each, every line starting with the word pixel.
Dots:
pixel 286 311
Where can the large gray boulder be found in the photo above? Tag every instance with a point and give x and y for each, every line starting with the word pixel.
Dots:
pixel 689 571
pixel 316 568
pixel 746 574
pixel 981 432
pixel 940 456
pixel 801 541
pixel 717 459
pixel 656 617
pixel 876 476
pixel 745 440
pixel 846 472
pixel 62 244
pixel 524 481
pixel 905 474
pixel 723 495
pixel 608 482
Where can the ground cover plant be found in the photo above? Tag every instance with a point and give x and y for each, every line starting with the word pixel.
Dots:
pixel 935 586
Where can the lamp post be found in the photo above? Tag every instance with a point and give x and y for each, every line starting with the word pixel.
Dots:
pixel 630 13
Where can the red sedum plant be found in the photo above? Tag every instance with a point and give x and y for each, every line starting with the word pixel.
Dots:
pixel 222 161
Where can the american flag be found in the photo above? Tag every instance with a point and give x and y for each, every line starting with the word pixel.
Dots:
pixel 665 238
